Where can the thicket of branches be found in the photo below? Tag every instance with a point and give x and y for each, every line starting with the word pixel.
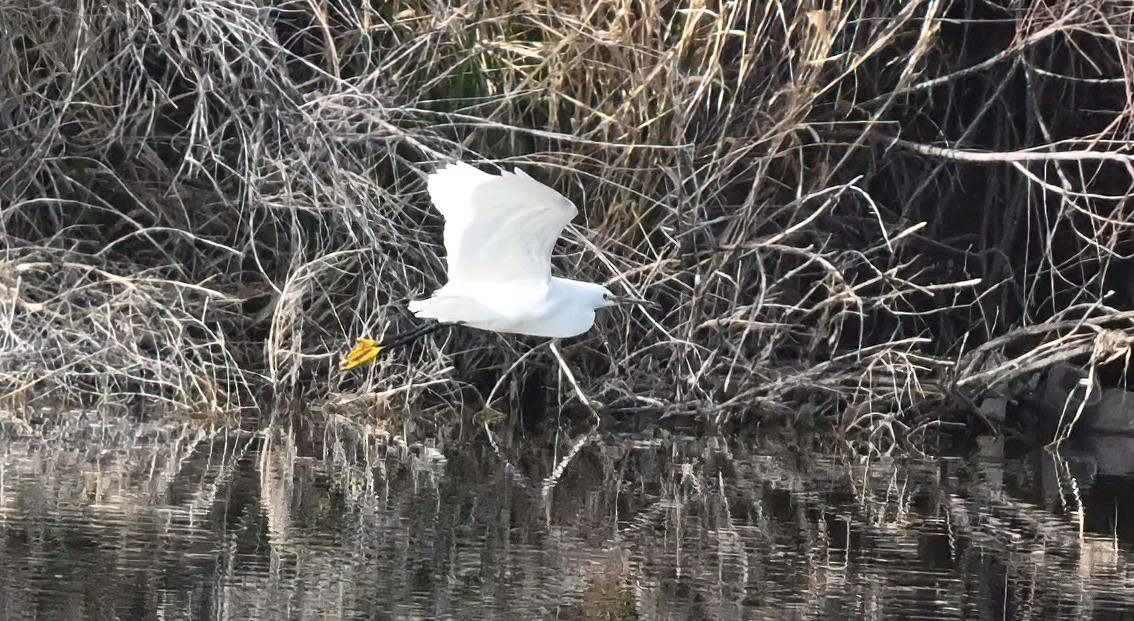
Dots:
pixel 866 209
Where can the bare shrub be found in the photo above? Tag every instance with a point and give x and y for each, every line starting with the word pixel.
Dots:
pixel 836 206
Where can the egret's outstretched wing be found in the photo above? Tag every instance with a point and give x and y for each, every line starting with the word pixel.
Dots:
pixel 498 228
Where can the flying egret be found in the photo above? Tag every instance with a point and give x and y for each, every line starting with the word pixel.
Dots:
pixel 499 234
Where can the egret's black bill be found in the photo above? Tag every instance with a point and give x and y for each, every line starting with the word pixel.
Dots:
pixel 625 300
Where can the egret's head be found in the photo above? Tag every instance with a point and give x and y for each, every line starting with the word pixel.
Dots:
pixel 602 297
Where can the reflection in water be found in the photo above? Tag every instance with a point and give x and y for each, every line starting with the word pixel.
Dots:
pixel 112 521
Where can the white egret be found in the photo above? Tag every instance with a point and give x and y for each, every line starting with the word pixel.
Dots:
pixel 499 234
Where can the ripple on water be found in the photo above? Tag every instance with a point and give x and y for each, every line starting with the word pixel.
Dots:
pixel 176 522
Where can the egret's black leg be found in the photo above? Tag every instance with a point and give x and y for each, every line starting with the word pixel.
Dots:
pixel 405 338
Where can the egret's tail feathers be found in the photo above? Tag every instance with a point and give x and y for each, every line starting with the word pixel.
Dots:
pixel 368 350
pixel 419 306
pixel 452 309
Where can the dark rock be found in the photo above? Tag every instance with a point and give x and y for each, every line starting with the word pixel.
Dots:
pixel 1064 389
pixel 1113 414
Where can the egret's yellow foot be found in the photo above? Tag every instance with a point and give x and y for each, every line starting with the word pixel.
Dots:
pixel 365 352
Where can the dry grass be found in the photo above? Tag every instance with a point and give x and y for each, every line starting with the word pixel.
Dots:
pixel 842 208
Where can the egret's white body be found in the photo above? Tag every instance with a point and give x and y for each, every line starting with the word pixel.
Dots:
pixel 499 234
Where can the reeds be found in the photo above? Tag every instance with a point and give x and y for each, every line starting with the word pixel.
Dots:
pixel 836 205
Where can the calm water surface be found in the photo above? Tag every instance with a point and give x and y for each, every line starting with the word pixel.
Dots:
pixel 104 520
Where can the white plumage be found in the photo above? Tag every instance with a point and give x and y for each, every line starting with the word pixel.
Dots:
pixel 499 234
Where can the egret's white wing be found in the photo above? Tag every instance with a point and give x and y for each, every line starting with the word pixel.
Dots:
pixel 498 228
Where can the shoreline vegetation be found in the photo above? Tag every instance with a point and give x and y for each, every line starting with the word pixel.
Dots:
pixel 871 217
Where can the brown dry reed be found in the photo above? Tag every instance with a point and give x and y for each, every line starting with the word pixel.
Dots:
pixel 856 211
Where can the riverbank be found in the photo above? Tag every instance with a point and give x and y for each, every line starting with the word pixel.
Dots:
pixel 874 219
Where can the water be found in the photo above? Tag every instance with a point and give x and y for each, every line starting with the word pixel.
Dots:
pixel 102 520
